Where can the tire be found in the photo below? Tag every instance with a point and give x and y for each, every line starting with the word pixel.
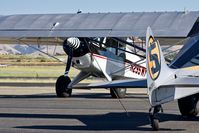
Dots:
pixel 155 124
pixel 188 106
pixel 61 87
pixel 118 92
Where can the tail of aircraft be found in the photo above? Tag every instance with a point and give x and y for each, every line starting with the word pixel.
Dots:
pixel 166 84
pixel 157 70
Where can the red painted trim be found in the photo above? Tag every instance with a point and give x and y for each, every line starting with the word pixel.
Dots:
pixel 135 68
pixel 99 56
pixel 103 57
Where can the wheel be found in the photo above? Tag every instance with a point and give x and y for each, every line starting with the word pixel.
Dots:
pixel 155 124
pixel 61 87
pixel 188 106
pixel 118 92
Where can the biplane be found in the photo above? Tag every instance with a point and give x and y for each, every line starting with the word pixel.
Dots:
pixel 109 58
pixel 89 39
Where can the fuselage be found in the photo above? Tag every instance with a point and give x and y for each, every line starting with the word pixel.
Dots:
pixel 115 66
pixel 101 60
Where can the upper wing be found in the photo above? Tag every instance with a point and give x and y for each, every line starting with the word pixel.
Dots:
pixel 37 27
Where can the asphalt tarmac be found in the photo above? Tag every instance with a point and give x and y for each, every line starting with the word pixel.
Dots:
pixel 38 110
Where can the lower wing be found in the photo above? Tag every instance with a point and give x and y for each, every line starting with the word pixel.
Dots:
pixel 131 83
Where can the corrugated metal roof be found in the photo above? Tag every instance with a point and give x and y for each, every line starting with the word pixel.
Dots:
pixel 163 24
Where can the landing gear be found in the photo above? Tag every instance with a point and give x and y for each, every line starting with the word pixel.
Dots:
pixel 118 92
pixel 62 89
pixel 153 118
pixel 63 81
pixel 188 106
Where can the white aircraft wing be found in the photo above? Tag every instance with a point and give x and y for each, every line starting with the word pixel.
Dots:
pixel 51 28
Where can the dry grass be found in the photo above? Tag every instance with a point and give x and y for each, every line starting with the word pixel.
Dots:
pixel 30 69
pixel 35 71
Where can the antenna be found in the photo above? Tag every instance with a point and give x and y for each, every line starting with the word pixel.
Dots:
pixel 79 11
pixel 185 10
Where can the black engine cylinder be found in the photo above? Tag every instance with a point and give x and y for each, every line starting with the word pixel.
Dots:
pixel 78 48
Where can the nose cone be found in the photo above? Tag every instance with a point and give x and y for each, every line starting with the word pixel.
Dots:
pixel 73 42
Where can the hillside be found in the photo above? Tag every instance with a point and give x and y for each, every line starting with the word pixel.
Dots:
pixel 26 50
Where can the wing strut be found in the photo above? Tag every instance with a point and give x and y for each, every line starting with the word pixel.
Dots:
pixel 69 51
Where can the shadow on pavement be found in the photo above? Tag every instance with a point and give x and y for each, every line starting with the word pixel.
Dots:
pixel 137 121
